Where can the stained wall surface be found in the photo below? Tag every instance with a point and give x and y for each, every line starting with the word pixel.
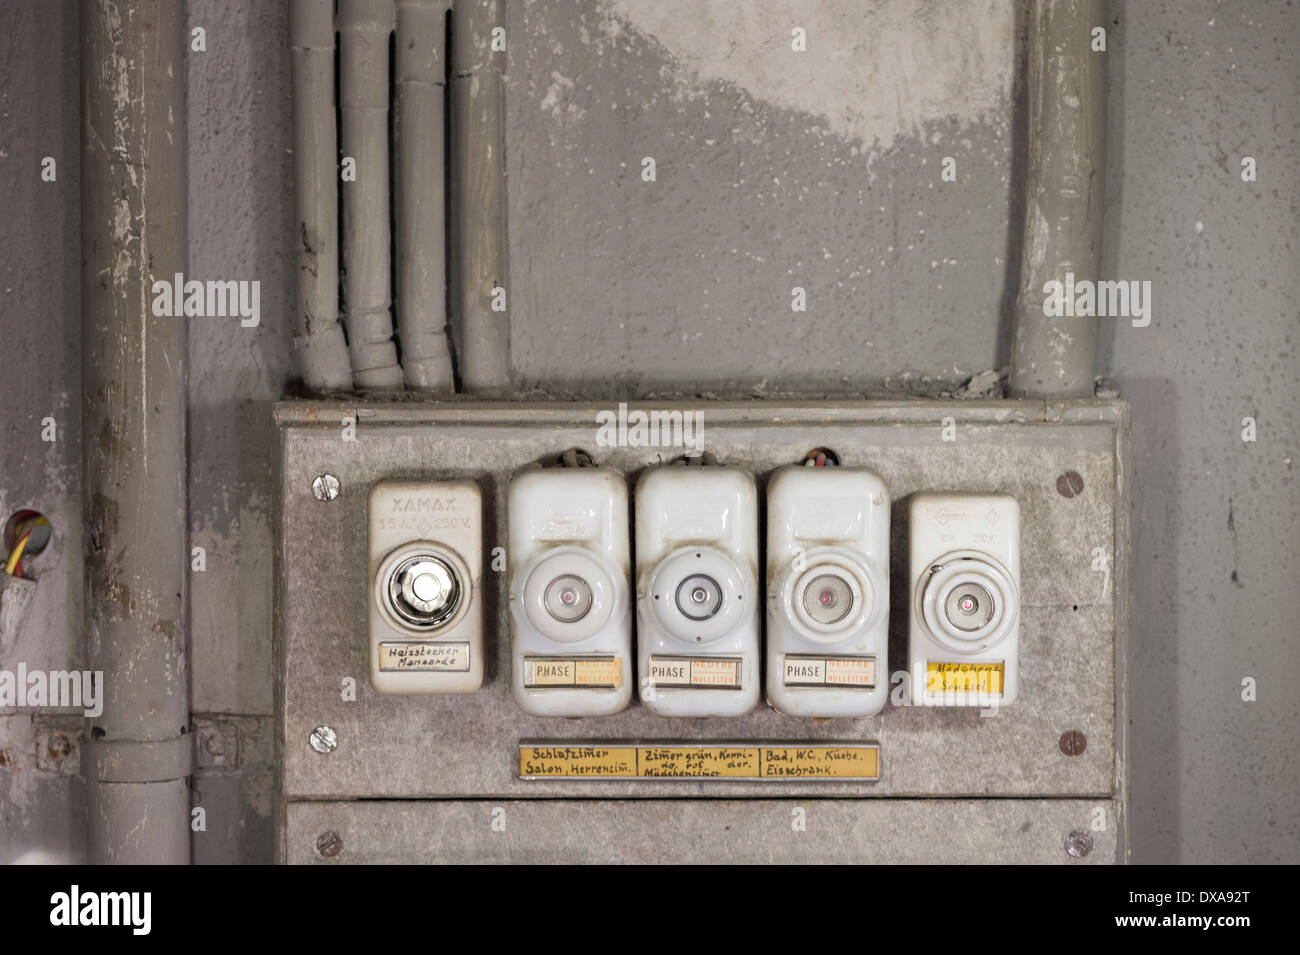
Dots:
pixel 773 170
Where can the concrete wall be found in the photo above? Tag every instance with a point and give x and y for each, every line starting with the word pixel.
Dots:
pixel 41 798
pixel 1196 87
pixel 241 209
pixel 775 169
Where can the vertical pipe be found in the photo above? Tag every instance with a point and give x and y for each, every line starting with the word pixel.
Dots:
pixel 1064 195
pixel 481 213
pixel 364 30
pixel 421 74
pixel 138 760
pixel 318 337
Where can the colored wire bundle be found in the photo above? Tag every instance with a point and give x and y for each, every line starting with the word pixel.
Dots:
pixel 821 458
pixel 20 538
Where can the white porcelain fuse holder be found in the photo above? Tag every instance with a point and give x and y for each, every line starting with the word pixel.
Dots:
pixel 828 591
pixel 697 591
pixel 426 569
pixel 964 629
pixel 570 594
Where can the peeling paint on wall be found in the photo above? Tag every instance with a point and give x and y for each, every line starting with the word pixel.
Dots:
pixel 875 71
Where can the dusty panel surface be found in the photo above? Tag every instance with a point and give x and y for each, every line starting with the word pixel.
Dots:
pixel 426 746
pixel 876 831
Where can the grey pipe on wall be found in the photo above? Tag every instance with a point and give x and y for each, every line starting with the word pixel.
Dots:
pixel 481 207
pixel 365 27
pixel 318 336
pixel 139 757
pixel 1054 356
pixel 420 72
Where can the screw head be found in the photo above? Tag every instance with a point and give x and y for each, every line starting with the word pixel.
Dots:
pixel 329 844
pixel 323 739
pixel 325 487
pixel 1073 743
pixel 1078 843
pixel 1069 484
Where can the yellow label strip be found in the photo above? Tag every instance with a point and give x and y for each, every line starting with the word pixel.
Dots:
pixel 977 678
pixel 784 761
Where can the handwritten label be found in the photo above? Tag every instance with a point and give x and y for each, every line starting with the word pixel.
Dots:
pixel 683 762
pixel 410 655
pixel 821 762
pixel 716 673
pixel 843 762
pixel 587 672
pixel 979 678
pixel 577 762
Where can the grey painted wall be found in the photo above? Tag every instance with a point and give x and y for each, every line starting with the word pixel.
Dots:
pixel 41 814
pixel 1196 87
pixel 684 283
pixel 774 169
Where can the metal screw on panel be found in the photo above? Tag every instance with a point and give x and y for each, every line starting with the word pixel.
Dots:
pixel 326 487
pixel 1078 843
pixel 323 739
pixel 329 844
pixel 1073 743
pixel 1070 484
